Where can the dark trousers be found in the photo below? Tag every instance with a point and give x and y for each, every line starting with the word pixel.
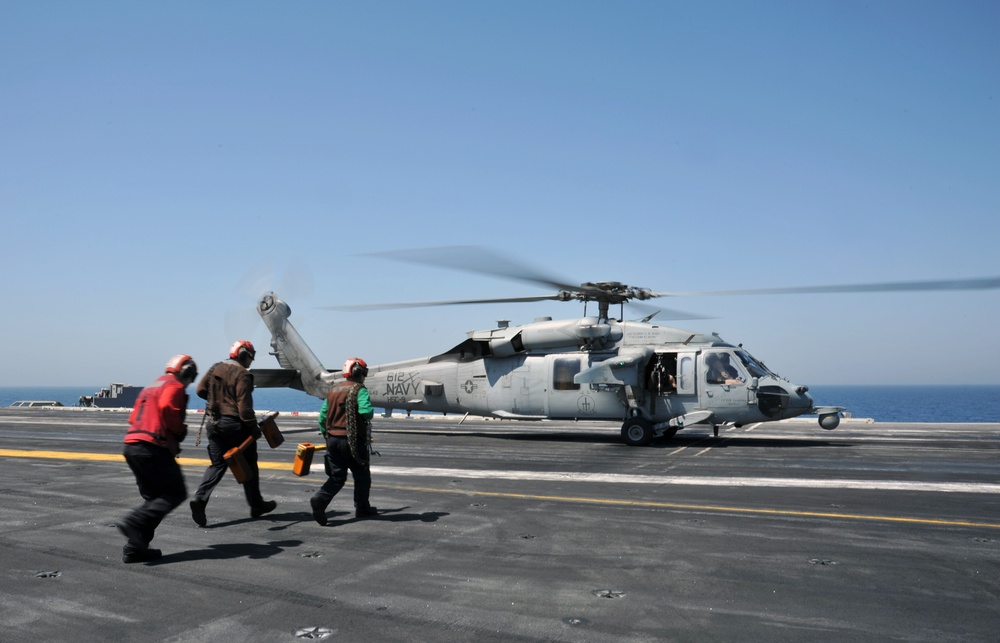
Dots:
pixel 229 433
pixel 161 485
pixel 337 463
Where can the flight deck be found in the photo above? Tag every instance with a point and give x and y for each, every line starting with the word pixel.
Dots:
pixel 495 530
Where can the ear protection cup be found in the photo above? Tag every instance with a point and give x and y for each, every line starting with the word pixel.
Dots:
pixel 355 367
pixel 242 348
pixel 189 371
pixel 183 367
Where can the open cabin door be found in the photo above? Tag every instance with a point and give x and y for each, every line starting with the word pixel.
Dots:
pixel 671 373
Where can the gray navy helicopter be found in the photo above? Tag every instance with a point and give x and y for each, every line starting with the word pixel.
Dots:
pixel 654 379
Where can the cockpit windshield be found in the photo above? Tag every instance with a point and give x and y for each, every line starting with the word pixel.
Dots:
pixel 756 368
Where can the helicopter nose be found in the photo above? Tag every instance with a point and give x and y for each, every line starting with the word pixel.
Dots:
pixel 799 400
pixel 780 399
pixel 805 400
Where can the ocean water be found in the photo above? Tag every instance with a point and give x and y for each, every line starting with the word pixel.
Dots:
pixel 881 403
pixel 914 403
pixel 286 400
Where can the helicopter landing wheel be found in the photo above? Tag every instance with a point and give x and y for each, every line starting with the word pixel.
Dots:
pixel 637 432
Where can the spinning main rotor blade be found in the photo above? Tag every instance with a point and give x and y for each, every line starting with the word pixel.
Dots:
pixel 486 261
pixel 981 283
pixel 452 302
pixel 477 259
pixel 661 313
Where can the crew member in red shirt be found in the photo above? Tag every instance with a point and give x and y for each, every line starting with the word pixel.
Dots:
pixel 156 429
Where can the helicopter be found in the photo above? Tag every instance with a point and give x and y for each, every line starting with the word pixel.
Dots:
pixel 654 379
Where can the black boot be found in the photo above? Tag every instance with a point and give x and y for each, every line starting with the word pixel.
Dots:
pixel 143 556
pixel 265 507
pixel 198 512
pixel 318 509
pixel 134 536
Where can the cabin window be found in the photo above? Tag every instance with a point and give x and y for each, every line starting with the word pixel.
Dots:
pixel 562 374
pixel 685 374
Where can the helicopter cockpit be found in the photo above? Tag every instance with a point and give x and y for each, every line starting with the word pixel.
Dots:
pixel 721 370
pixel 756 368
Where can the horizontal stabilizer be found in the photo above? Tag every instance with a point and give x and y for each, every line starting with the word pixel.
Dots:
pixel 276 378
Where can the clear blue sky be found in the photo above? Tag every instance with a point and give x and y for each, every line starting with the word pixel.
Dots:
pixel 153 155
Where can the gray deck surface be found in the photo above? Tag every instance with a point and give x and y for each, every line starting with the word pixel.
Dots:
pixel 503 531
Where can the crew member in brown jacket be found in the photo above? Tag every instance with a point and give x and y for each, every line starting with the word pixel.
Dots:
pixel 228 388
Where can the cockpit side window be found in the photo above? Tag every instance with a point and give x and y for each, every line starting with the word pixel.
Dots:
pixel 719 369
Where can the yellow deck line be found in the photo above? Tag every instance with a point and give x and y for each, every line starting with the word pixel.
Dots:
pixel 279 466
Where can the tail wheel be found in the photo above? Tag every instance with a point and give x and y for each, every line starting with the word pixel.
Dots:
pixel 637 432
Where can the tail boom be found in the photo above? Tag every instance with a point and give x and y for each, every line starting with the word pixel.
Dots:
pixel 300 368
